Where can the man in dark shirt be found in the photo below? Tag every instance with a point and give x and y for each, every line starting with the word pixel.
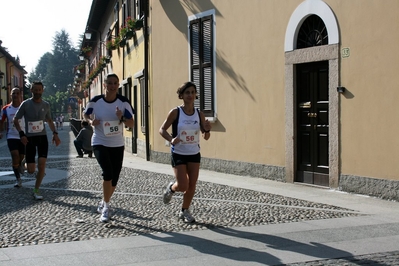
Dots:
pixel 83 140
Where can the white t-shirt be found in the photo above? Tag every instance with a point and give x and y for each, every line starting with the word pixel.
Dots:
pixel 109 132
pixel 8 113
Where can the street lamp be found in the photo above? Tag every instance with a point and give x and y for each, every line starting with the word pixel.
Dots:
pixel 88 35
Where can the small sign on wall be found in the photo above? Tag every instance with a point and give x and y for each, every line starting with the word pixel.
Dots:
pixel 345 52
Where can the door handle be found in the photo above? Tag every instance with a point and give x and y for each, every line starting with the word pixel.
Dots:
pixel 312 114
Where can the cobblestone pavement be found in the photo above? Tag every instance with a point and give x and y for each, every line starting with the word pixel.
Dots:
pixel 68 211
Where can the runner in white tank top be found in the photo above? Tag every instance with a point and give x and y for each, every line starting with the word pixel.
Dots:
pixel 187 124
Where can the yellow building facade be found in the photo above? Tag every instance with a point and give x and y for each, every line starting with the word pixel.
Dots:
pixel 301 92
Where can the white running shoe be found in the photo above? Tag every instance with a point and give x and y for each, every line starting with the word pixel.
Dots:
pixel 186 216
pixel 100 208
pixel 37 196
pixel 19 183
pixel 105 215
pixel 167 195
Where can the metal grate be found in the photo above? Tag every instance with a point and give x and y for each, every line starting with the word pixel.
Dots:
pixel 313 32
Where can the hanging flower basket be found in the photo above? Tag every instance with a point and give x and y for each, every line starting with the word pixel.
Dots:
pixel 86 51
pixel 130 34
pixel 139 24
pixel 122 43
pixel 111 45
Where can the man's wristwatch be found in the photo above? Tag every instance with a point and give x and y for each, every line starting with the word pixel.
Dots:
pixel 55 133
pixel 123 119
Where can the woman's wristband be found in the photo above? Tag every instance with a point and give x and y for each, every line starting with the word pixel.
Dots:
pixel 207 131
pixel 22 134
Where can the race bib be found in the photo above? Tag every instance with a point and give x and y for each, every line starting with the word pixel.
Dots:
pixel 35 126
pixel 189 136
pixel 112 128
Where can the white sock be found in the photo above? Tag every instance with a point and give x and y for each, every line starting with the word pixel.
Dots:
pixel 106 205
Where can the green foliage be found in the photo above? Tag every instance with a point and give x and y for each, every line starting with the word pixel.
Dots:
pixel 55 70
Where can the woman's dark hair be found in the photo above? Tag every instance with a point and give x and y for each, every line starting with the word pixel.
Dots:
pixel 183 87
pixel 111 75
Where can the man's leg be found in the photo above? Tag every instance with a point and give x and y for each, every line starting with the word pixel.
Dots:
pixel 15 166
pixel 41 167
pixel 79 147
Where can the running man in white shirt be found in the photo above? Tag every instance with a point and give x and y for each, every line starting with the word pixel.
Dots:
pixel 17 149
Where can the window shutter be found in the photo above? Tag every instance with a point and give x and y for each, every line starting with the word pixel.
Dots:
pixel 201 44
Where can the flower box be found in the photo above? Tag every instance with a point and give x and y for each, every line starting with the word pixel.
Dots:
pixel 129 34
pixel 139 24
pixel 122 43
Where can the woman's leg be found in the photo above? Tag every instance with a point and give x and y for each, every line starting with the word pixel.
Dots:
pixel 191 177
pixel 182 181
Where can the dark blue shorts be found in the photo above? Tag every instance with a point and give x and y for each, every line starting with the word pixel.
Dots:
pixel 16 144
pixel 178 159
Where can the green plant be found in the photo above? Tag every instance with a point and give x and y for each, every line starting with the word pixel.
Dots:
pixel 86 49
pixel 122 32
pixel 117 41
pixel 111 45
pixel 130 23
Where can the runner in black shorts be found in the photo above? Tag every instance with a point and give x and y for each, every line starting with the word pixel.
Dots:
pixel 35 112
pixel 187 125
pixel 17 149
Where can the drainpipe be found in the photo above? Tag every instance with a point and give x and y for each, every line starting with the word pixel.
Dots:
pixel 147 126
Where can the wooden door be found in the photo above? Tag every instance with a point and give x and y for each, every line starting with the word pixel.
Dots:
pixel 312 123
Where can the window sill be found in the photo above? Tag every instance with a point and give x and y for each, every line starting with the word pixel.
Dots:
pixel 212 119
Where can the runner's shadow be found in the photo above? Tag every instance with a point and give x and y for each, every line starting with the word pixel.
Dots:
pixel 214 248
pixel 313 249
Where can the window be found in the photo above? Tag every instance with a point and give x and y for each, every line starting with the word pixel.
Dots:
pixel 127 91
pixel 132 8
pixel 15 82
pixel 141 8
pixel 125 12
pixel 313 32
pixel 116 18
pixel 142 104
pixel 202 70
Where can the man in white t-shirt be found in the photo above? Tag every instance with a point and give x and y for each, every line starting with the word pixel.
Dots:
pixel 17 149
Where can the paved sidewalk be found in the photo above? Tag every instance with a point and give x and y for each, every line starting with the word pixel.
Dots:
pixel 370 237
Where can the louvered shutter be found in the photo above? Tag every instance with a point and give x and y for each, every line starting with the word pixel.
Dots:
pixel 201 37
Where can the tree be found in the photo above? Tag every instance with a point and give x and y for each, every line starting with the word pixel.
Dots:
pixel 65 57
pixel 55 71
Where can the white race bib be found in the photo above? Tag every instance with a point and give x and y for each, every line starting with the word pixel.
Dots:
pixel 35 126
pixel 112 128
pixel 189 136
